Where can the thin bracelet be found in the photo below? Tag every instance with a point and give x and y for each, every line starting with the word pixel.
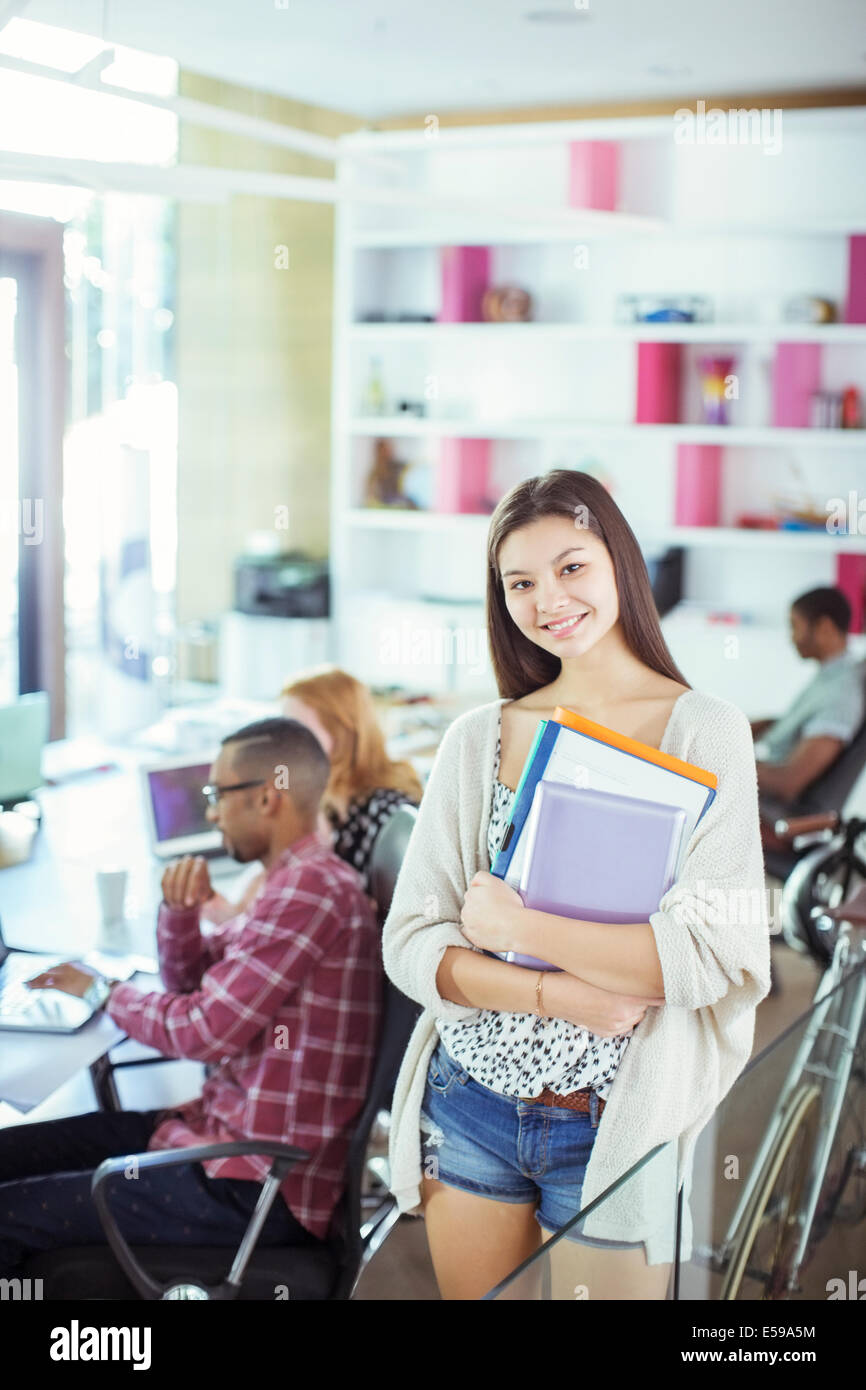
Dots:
pixel 539 982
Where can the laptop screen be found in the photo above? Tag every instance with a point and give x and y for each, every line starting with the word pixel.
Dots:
pixel 178 805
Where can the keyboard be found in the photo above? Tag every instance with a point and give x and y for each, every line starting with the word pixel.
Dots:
pixel 50 1010
pixel 42 1010
pixel 14 994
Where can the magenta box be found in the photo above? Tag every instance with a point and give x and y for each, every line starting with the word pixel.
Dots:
pixel 851 579
pixel 699 481
pixel 462 477
pixel 593 174
pixel 659 366
pixel 796 375
pixel 465 277
pixel 855 307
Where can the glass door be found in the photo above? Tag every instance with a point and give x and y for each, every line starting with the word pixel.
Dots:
pixel 9 499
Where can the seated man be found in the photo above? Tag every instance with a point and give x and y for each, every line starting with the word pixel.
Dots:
pixel 798 747
pixel 285 1000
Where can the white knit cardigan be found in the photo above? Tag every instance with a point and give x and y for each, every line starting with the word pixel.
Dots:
pixel 711 933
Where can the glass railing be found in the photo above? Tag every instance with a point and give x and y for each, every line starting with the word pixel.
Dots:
pixel 773 1205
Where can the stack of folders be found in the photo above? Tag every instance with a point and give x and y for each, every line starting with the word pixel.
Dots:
pixel 600 824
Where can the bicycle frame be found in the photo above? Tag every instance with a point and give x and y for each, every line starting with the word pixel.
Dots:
pixel 851 1016
pixel 846 1020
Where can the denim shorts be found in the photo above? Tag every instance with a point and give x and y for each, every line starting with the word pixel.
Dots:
pixel 505 1148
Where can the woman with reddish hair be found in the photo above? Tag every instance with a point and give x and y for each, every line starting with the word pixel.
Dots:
pixel 365 786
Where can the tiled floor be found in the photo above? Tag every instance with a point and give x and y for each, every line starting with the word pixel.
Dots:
pixel 401 1269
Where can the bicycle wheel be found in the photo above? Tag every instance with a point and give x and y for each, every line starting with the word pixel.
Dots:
pixel 762 1256
pixel 817 882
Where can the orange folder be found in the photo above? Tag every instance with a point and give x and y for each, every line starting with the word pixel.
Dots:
pixel 561 715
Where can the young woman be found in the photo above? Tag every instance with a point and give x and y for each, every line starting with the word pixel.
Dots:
pixel 365 786
pixel 524 1095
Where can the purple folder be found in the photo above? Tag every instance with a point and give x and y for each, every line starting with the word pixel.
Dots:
pixel 596 855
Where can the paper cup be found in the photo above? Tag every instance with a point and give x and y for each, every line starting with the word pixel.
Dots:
pixel 111 886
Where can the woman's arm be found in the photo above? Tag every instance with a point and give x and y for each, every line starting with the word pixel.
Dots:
pixel 711 929
pixel 474 979
pixel 614 957
pixel 621 958
pixel 424 917
pixel 426 953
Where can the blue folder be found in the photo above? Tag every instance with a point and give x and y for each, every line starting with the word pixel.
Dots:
pixel 534 769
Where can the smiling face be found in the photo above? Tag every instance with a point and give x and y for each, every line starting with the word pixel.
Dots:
pixel 552 571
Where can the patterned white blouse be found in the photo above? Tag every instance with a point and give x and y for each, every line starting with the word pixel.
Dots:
pixel 353 838
pixel 521 1054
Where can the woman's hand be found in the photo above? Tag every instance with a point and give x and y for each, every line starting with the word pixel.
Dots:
pixel 489 913
pixel 606 1014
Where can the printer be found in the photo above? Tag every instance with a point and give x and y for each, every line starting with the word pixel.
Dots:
pixel 290 585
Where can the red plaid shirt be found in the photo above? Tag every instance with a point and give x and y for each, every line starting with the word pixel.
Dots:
pixel 286 999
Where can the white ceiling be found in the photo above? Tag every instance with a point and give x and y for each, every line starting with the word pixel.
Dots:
pixel 375 58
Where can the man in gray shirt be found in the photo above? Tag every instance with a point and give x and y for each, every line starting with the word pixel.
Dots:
pixel 799 746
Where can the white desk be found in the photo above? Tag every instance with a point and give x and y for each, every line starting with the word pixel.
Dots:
pixel 50 903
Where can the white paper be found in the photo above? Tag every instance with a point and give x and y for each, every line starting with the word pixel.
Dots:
pixel 580 761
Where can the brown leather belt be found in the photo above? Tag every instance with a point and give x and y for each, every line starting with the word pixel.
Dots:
pixel 576 1100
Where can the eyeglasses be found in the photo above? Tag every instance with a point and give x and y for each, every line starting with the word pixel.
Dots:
pixel 213 794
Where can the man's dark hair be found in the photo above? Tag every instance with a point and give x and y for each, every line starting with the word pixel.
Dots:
pixel 821 603
pixel 263 748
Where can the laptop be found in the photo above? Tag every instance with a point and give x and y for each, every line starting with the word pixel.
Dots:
pixel 23 731
pixel 24 1010
pixel 176 815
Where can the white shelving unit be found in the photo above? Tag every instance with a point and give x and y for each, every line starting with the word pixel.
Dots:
pixel 747 228
pixel 851 333
pixel 402 427
pixel 474 529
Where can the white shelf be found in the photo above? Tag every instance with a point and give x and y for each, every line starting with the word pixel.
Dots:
pixel 741 537
pixel 468 233
pixel 546 225
pixel 400 519
pixel 400 426
pixel 826 120
pixel 832 333
pixel 475 525
pixel 504 187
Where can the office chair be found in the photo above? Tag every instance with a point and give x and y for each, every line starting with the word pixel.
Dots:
pixel 325 1272
pixel 387 856
pixel 829 792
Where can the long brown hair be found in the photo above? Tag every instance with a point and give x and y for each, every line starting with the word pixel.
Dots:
pixel 519 665
pixel 359 761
